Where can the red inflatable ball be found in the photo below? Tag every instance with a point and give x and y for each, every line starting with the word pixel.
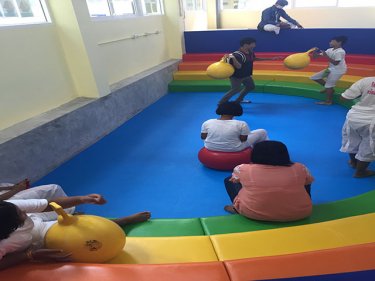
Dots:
pixel 225 161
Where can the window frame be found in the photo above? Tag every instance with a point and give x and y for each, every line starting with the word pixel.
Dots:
pixel 292 5
pixel 138 7
pixel 19 20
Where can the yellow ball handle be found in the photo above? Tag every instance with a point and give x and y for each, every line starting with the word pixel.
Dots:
pixel 311 50
pixel 63 218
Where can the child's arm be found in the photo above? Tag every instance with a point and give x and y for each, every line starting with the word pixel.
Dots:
pixel 46 255
pixel 324 54
pixel 234 61
pixel 14 189
pixel 71 201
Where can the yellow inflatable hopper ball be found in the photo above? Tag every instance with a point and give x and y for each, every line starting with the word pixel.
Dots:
pixel 220 70
pixel 299 60
pixel 90 239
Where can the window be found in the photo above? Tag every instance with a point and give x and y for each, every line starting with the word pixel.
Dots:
pixel 14 12
pixel 103 8
pixel 194 5
pixel 121 7
pixel 315 3
pixel 151 7
pixel 256 5
pixel 356 3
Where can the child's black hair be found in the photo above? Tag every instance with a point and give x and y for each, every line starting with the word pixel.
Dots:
pixel 271 153
pixel 342 39
pixel 229 108
pixel 282 2
pixel 9 219
pixel 247 40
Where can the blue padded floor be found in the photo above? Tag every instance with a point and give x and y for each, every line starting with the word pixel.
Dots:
pixel 150 162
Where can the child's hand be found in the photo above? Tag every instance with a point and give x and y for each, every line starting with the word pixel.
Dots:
pixel 94 199
pixel 49 255
pixel 234 180
pixel 323 54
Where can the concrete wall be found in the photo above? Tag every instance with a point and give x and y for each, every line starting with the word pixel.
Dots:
pixel 38 145
pixel 59 78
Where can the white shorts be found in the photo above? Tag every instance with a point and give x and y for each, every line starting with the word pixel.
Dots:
pixel 331 80
pixel 40 230
pixel 358 139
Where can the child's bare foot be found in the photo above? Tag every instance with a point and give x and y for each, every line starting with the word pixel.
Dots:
pixel 138 217
pixel 365 174
pixel 352 164
pixel 324 103
pixel 230 209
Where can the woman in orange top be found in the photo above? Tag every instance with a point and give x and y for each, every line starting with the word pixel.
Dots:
pixel 271 188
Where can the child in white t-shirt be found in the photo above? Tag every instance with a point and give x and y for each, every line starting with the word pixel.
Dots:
pixel 227 134
pixel 336 68
pixel 358 132
pixel 25 220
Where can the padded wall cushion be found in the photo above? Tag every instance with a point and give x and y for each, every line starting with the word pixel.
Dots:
pixel 293 40
pixel 119 272
pixel 296 239
pixel 158 250
pixel 358 205
pixel 343 259
pixel 207 85
pixel 165 227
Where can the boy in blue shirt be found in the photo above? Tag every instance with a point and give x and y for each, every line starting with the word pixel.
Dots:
pixel 271 18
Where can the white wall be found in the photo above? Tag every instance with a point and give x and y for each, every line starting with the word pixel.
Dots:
pixel 34 76
pixel 330 17
pixel 45 66
pixel 309 18
pixel 124 58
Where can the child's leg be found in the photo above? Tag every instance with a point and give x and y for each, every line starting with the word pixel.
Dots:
pixel 308 189
pixel 366 152
pixel 353 161
pixel 138 217
pixel 318 77
pixel 362 171
pixel 249 86
pixel 232 188
pixel 257 136
pixel 331 81
pixel 329 92
pixel 48 192
pixel 272 28
pixel 235 88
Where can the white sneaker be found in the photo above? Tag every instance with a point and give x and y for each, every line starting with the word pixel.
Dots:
pixel 245 101
pixel 277 30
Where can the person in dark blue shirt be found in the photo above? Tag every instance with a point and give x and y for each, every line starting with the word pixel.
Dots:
pixel 271 18
pixel 242 61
